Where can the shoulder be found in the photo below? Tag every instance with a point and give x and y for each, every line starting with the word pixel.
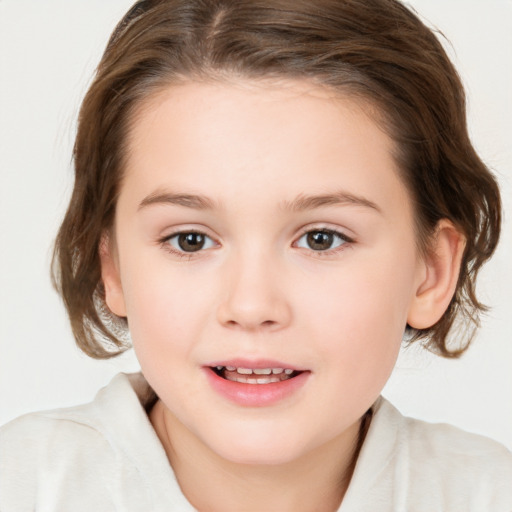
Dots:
pixel 46 451
pixel 46 435
pixel 409 464
pixel 50 458
pixel 455 454
pixel 469 471
pixel 435 440
pixel 37 435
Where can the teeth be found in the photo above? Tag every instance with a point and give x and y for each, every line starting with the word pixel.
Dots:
pixel 267 380
pixel 257 371
pixel 265 375
pixel 262 371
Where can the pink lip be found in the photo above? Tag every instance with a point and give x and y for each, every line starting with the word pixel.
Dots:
pixel 255 395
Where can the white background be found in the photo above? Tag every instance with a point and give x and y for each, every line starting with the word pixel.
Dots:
pixel 48 51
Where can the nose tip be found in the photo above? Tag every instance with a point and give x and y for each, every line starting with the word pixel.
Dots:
pixel 254 300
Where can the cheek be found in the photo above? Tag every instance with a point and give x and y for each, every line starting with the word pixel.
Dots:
pixel 166 312
pixel 166 320
pixel 362 315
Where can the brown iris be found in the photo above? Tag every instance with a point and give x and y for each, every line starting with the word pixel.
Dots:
pixel 320 240
pixel 191 242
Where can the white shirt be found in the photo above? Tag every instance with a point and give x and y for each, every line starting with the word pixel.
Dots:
pixel 105 456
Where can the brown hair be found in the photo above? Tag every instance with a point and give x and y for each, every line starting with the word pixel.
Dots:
pixel 377 50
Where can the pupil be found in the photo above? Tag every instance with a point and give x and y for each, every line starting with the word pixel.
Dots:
pixel 320 240
pixel 191 242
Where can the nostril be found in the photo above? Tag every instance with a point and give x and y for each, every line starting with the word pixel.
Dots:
pixel 252 326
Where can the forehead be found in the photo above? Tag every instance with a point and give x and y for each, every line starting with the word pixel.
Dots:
pixel 249 140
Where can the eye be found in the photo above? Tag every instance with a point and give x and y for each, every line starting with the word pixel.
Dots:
pixel 322 240
pixel 189 241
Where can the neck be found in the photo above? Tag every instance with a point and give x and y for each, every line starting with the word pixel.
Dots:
pixel 211 483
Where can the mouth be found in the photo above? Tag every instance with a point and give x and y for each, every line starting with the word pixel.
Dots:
pixel 256 384
pixel 255 375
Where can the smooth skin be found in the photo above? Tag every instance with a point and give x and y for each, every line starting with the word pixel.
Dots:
pixel 259 289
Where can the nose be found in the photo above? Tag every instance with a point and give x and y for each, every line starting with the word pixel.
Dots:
pixel 254 297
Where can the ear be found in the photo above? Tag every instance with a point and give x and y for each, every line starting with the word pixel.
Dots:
pixel 110 276
pixel 438 276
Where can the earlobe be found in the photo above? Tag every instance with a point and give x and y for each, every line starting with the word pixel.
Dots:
pixel 110 276
pixel 439 276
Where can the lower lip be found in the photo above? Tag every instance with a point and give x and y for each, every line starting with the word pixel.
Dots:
pixel 256 395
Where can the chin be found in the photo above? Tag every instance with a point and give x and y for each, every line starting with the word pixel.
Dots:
pixel 257 450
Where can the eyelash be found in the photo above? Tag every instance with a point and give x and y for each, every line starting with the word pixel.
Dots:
pixel 337 234
pixel 164 242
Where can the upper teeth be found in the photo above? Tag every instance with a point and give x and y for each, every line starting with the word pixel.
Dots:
pixel 256 371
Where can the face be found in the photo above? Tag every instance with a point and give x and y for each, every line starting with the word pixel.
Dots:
pixel 263 228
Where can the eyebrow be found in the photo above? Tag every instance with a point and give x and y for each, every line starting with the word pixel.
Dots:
pixel 300 203
pixel 309 202
pixel 194 201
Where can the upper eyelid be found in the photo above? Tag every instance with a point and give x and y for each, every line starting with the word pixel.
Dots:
pixel 185 232
pixel 182 231
pixel 304 230
pixel 337 231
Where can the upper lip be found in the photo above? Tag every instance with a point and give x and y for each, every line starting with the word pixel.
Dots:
pixel 255 364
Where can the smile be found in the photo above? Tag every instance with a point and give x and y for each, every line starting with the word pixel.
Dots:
pixel 260 384
pixel 254 375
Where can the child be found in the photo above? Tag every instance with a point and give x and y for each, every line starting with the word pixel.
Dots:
pixel 269 196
